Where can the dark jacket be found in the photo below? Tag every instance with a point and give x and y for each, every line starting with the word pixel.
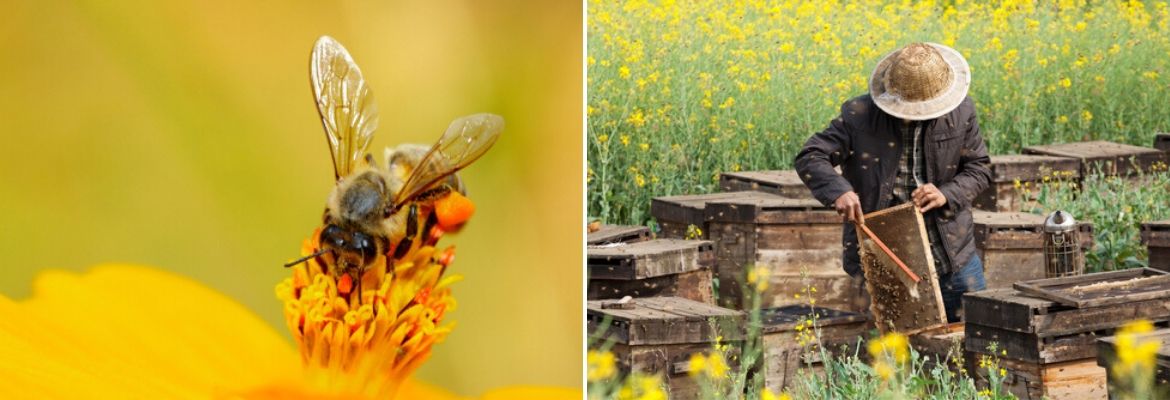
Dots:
pixel 866 143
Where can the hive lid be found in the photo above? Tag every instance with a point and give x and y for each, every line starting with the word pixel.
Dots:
pixel 777 210
pixel 649 258
pixel 691 208
pixel 1031 167
pixel 663 320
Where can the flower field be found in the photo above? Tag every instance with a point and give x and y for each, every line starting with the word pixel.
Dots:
pixel 680 91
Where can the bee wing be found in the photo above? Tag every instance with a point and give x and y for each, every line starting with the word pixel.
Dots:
pixel 344 102
pixel 465 140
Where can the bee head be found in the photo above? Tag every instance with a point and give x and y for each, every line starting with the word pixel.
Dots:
pixel 353 249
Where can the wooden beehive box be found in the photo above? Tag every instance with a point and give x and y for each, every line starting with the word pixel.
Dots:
pixel 896 306
pixel 1156 236
pixel 675 213
pixel 1112 158
pixel 943 344
pixel 784 355
pixel 1107 357
pixel 658 335
pixel 1162 141
pixel 787 236
pixel 1050 347
pixel 618 234
pixel 1030 171
pixel 782 182
pixel 1072 380
pixel 657 267
pixel 1011 245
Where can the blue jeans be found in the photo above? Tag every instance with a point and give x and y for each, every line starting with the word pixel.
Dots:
pixel 953 285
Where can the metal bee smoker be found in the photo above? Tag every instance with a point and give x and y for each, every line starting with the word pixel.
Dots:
pixel 1062 247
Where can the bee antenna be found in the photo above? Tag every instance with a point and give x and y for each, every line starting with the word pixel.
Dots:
pixel 306 258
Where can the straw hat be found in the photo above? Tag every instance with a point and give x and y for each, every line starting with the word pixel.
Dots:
pixel 921 81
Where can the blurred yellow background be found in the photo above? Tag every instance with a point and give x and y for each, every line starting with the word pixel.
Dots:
pixel 183 135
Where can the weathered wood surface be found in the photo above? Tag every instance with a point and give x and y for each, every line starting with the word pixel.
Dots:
pixel 663 320
pixel 649 258
pixel 1031 167
pixel 675 213
pixel 894 308
pixel 941 344
pixel 1156 237
pixel 1073 380
pixel 1011 246
pixel 1033 348
pixel 1008 309
pixel 1112 158
pixel 1102 288
pixel 1162 141
pixel 696 285
pixel 784 355
pixel 787 236
pixel 782 182
pixel 1006 170
pixel 770 210
pixel 618 234
pixel 1107 353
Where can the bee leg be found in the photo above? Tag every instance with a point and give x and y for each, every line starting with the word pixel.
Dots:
pixel 407 241
pixel 371 161
pixel 432 220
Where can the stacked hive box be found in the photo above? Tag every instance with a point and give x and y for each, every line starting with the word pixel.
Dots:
pixel 658 335
pixel 1011 245
pixel 1028 172
pixel 1108 157
pixel 607 234
pixel 784 354
pixel 656 267
pixel 785 183
pixel 1049 349
pixel 1162 141
pixel 1156 236
pixel 676 213
pixel 797 240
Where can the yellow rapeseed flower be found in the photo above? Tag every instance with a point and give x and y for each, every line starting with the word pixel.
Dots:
pixel 1135 355
pixel 892 345
pixel 602 365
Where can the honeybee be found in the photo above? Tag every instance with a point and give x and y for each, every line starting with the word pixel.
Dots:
pixel 374 209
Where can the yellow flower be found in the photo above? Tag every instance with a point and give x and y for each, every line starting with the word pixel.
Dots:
pixel 602 138
pixel 892 345
pixel 697 364
pixel 168 337
pixel 379 329
pixel 757 277
pixel 644 146
pixel 1086 115
pixel 625 140
pixel 883 370
pixel 1135 355
pixel 768 395
pixel 642 387
pixel 1065 82
pixel 624 72
pixel 601 365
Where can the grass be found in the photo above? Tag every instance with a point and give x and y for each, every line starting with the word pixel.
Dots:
pixel 1116 206
pixel 679 92
pixel 883 368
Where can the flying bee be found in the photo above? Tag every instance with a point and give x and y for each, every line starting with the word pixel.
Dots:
pixel 374 209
